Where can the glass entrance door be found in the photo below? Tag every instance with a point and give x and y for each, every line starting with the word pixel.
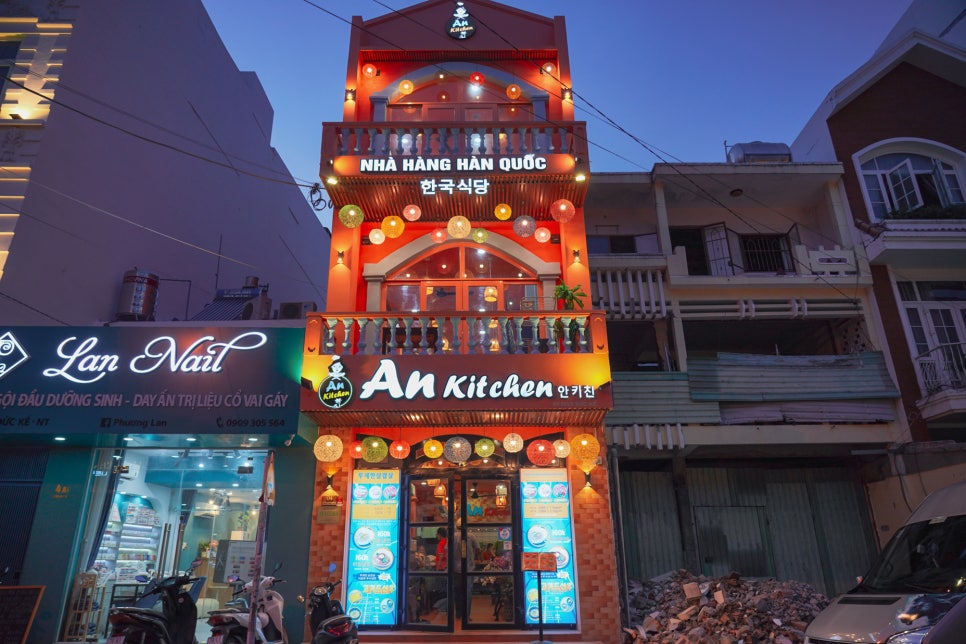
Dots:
pixel 461 570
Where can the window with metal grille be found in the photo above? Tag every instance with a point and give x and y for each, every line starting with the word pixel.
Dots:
pixel 766 254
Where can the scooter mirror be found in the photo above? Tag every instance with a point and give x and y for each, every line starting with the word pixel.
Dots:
pixel 194 564
pixel 332 567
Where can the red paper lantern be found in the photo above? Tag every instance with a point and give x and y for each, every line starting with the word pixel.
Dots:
pixel 477 78
pixel 399 449
pixel 540 452
pixel 357 449
pixel 562 210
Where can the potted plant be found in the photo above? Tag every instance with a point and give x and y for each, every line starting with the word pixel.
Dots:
pixel 569 298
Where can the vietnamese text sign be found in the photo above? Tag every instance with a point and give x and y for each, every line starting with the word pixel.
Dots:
pixel 149 379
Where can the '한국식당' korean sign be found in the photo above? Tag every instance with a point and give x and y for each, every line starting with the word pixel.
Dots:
pixel 149 380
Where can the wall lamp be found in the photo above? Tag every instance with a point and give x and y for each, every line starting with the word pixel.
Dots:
pixel 340 257
pixel 350 94
pixel 567 94
pixel 576 254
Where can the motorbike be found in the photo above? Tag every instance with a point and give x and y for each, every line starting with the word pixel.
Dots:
pixel 327 619
pixel 230 625
pixel 174 624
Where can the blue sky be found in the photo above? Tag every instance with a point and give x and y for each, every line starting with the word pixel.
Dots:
pixel 681 75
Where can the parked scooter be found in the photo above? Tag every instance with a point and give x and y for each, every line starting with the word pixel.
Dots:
pixel 230 626
pixel 327 619
pixel 175 624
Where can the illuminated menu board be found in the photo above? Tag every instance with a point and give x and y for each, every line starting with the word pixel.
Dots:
pixel 545 503
pixel 373 572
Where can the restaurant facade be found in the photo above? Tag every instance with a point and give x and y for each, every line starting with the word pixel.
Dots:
pixel 458 377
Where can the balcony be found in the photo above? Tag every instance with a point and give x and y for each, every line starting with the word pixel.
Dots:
pixel 372 164
pixel 456 333
pixel 629 287
pixel 456 368
pixel 942 372
pixel 778 404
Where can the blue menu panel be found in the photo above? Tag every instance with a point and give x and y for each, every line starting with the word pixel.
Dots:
pixel 373 569
pixel 545 504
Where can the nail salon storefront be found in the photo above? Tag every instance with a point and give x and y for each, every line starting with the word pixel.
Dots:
pixel 130 451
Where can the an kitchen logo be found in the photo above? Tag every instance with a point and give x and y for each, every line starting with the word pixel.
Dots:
pixel 335 391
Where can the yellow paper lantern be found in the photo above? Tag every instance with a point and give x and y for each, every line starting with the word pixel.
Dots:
pixel 433 448
pixel 458 227
pixel 327 448
pixel 502 211
pixel 393 226
pixel 406 87
pixel 585 447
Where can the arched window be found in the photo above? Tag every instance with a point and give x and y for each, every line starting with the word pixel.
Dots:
pixel 911 180
pixel 461 278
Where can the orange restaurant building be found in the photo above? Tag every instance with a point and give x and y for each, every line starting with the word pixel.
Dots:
pixel 459 400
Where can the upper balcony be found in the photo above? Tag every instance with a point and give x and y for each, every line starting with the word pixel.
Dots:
pixel 449 168
pixel 526 368
pixel 942 372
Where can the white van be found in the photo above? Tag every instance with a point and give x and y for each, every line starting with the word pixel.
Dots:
pixel 918 578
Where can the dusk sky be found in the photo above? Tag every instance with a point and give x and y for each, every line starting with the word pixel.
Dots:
pixel 682 76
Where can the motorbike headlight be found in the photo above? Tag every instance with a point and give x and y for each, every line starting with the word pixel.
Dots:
pixel 909 637
pixel 318 591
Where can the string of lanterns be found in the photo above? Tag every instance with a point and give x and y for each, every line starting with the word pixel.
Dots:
pixel 458 227
pixel 584 448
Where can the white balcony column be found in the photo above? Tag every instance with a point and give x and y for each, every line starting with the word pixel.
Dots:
pixel 663 231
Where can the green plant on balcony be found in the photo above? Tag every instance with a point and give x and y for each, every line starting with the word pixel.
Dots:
pixel 569 298
pixel 932 211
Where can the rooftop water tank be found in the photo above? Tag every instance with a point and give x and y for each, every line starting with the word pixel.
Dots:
pixel 760 152
pixel 139 296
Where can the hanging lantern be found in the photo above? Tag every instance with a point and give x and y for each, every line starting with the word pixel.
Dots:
pixel 393 226
pixel 490 294
pixel 433 448
pixel 406 87
pixel 548 68
pixel 513 443
pixel 438 235
pixel 376 236
pixel 356 449
pixel 561 448
pixel 351 215
pixel 370 71
pixel 458 227
pixel 485 447
pixel 540 452
pixel 542 234
pixel 524 226
pixel 327 448
pixel 412 212
pixel 585 447
pixel 562 210
pixel 477 79
pixel 479 235
pixel 399 449
pixel 375 450
pixel 502 211
pixel 440 491
pixel 513 91
pixel 457 450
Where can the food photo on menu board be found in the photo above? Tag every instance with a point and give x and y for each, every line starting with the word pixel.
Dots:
pixel 545 503
pixel 371 593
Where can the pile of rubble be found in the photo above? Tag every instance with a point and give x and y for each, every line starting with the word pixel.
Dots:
pixel 679 608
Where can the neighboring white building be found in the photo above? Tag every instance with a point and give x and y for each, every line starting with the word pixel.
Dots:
pixel 129 139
